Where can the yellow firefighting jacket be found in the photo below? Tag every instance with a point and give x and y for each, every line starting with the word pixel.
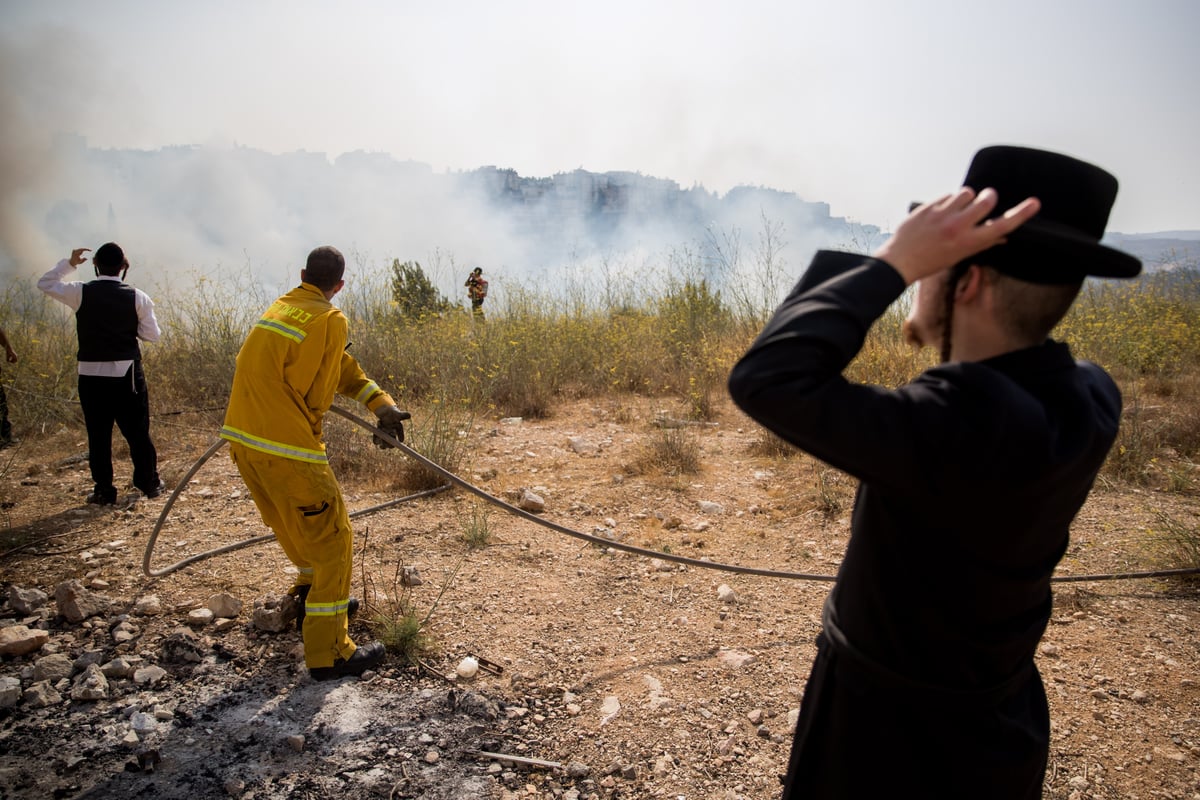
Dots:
pixel 292 363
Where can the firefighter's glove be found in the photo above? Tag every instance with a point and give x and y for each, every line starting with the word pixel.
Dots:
pixel 391 420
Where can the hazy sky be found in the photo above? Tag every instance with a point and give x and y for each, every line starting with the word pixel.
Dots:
pixel 864 104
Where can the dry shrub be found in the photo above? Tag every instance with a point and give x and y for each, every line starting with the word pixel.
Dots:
pixel 42 386
pixel 203 326
pixel 769 445
pixel 433 432
pixel 441 436
pixel 885 358
pixel 1158 443
pixel 1141 328
pixel 1177 540
pixel 671 451
pixel 391 611
pixel 1147 333
pixel 814 488
pixel 830 490
pixel 477 528
pixel 622 413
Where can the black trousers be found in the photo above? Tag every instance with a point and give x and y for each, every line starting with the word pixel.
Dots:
pixel 863 736
pixel 126 402
pixel 5 425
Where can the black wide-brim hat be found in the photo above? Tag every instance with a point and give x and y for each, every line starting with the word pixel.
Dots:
pixel 1061 244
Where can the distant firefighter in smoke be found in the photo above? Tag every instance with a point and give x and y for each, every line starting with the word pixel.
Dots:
pixel 477 289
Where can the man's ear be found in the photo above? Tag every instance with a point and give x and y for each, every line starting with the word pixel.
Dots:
pixel 969 285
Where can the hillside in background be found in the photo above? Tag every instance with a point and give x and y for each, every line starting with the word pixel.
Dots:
pixel 193 207
pixel 200 207
pixel 1158 251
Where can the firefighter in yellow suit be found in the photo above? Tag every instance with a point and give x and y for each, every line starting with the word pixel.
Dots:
pixel 290 366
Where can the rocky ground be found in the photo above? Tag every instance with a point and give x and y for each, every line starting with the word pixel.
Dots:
pixel 605 674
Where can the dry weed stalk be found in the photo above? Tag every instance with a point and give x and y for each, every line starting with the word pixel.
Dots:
pixel 392 613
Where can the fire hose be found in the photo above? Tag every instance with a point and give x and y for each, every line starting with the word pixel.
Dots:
pixel 526 515
pixel 209 453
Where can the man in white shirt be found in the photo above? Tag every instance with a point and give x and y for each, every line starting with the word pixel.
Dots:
pixel 110 317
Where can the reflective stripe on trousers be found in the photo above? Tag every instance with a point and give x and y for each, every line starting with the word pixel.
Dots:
pixel 302 504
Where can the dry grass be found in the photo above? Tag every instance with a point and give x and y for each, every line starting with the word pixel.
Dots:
pixel 1158 445
pixel 771 446
pixel 670 451
pixel 391 608
pixel 1176 539
pixel 477 528
pixel 674 338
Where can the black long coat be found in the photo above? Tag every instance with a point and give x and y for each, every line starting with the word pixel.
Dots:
pixel 970 475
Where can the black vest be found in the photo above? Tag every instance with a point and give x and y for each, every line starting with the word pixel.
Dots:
pixel 107 322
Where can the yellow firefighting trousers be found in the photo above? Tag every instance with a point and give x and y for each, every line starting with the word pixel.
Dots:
pixel 302 503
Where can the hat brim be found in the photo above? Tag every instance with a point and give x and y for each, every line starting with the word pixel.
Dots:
pixel 1046 252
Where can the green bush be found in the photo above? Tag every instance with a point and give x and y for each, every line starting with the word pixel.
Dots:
pixel 415 299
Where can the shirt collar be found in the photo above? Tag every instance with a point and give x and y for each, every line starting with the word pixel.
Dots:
pixel 1047 356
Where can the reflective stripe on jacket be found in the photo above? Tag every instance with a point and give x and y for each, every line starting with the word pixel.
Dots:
pixel 289 368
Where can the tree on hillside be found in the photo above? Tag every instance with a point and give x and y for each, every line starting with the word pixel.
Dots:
pixel 415 297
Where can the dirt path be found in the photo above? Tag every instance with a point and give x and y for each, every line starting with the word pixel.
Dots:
pixel 629 677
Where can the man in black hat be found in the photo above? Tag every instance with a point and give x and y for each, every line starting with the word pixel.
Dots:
pixel 924 682
pixel 110 317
